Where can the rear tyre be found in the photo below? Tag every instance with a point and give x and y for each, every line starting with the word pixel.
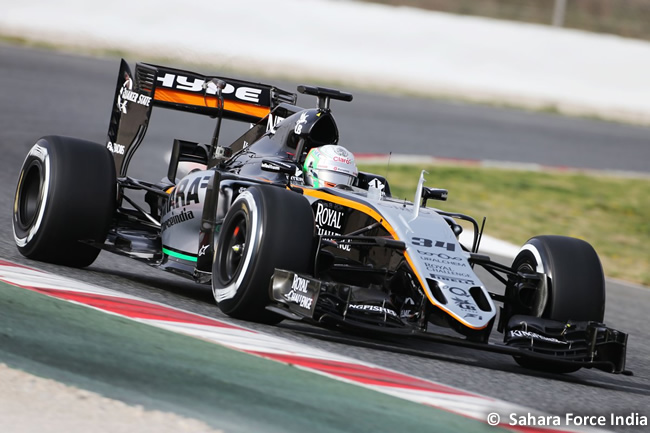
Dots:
pixel 65 194
pixel 266 227
pixel 573 287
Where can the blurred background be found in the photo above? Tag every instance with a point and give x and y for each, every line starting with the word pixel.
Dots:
pixel 628 18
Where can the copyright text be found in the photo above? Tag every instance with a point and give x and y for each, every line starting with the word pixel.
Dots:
pixel 571 419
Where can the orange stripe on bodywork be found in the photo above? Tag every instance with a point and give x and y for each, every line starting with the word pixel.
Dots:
pixel 352 204
pixel 377 217
pixel 178 97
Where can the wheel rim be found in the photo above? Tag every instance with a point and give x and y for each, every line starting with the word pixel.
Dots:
pixel 232 251
pixel 29 199
pixel 533 297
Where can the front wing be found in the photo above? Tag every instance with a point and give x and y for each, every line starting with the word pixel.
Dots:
pixel 581 344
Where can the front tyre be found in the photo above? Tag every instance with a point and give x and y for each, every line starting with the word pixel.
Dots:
pixel 572 287
pixel 266 227
pixel 65 194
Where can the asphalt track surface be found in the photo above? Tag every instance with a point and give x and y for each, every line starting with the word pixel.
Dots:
pixel 46 93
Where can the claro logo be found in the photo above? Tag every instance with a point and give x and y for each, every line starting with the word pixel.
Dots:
pixel 189 84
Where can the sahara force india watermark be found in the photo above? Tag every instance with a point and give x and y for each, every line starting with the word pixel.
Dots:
pixel 632 419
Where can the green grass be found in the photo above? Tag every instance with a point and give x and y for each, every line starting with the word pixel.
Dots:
pixel 611 213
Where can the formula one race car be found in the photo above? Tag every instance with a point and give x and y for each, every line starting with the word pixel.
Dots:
pixel 344 255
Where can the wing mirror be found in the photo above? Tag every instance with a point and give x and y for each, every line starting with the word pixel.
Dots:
pixel 433 194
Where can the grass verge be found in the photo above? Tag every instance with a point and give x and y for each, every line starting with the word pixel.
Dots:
pixel 161 370
pixel 611 213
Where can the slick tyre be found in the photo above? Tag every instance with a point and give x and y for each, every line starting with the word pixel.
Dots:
pixel 573 287
pixel 266 227
pixel 65 197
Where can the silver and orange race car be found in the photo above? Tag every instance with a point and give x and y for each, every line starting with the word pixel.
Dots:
pixel 349 257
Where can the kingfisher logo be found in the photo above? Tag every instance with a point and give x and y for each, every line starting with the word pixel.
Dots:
pixel 516 333
pixel 373 309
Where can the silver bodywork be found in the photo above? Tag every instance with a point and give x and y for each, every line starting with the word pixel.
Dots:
pixel 433 251
pixel 442 259
pixel 181 221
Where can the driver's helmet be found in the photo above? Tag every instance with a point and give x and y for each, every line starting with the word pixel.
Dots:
pixel 329 165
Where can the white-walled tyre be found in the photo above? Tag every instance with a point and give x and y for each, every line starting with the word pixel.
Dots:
pixel 65 196
pixel 573 287
pixel 267 227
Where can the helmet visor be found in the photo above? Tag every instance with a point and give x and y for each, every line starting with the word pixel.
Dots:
pixel 333 178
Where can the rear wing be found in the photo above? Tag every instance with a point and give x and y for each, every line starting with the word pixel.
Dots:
pixel 176 89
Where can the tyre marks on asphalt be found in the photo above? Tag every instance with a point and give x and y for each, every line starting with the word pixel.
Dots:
pixel 338 367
